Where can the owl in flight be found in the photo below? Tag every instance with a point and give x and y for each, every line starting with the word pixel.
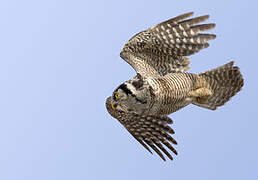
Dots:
pixel 162 85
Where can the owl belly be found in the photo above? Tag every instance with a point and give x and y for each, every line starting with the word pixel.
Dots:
pixel 171 92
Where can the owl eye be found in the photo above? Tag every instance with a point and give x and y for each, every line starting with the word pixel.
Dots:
pixel 116 96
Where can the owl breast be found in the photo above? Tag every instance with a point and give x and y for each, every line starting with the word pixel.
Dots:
pixel 171 92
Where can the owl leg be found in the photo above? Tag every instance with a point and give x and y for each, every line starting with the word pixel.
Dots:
pixel 201 94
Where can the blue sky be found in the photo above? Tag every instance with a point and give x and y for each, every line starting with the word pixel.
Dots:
pixel 59 60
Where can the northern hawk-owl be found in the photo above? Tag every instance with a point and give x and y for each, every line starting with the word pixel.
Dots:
pixel 161 86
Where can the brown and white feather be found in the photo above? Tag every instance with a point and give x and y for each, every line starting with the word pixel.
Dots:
pixel 163 47
pixel 148 130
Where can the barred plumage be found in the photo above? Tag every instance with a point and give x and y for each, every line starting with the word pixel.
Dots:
pixel 161 85
pixel 224 81
pixel 173 90
pixel 147 130
pixel 164 46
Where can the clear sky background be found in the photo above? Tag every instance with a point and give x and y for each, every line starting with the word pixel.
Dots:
pixel 59 60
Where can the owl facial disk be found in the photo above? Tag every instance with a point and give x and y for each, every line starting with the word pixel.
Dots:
pixel 120 97
pixel 121 92
pixel 125 89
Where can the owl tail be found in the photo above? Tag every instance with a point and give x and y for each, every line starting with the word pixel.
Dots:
pixel 224 82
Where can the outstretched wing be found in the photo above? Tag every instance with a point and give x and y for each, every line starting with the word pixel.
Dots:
pixel 162 48
pixel 149 131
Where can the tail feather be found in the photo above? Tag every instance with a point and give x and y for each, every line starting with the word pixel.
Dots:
pixel 225 81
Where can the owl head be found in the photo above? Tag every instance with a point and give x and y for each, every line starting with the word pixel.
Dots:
pixel 132 96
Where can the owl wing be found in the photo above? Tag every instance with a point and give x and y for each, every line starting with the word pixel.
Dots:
pixel 150 131
pixel 162 48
